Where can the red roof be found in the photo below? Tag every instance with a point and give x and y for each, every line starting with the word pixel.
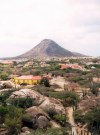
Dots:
pixel 6 62
pixel 74 66
pixel 30 77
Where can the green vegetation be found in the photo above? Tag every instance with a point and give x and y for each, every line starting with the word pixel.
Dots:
pixel 4 76
pixel 22 102
pixel 95 88
pixel 92 118
pixel 13 120
pixel 78 116
pixel 45 82
pixel 4 96
pixel 62 119
pixel 62 131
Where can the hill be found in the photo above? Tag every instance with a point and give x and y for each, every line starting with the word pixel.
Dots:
pixel 47 49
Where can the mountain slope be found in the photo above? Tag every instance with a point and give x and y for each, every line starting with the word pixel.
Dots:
pixel 46 48
pixel 79 54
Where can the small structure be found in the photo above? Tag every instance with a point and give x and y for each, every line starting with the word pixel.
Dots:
pixel 7 62
pixel 29 80
pixel 73 66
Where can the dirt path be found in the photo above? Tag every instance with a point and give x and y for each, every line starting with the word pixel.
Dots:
pixel 71 120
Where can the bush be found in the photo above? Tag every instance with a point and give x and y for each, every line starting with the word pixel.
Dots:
pixel 13 120
pixel 78 116
pixel 22 102
pixel 62 119
pixel 52 131
pixel 27 121
pixel 4 76
pixel 92 118
pixel 67 97
pixel 4 96
pixel 95 88
pixel 3 112
pixel 45 82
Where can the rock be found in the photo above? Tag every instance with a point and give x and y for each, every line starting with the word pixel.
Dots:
pixel 89 103
pixel 8 85
pixel 36 112
pixel 54 124
pixel 38 98
pixel 1 86
pixel 27 132
pixel 24 129
pixel 42 122
pixel 37 118
pixel 51 104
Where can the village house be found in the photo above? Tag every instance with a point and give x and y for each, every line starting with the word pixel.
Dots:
pixel 6 62
pixel 73 66
pixel 29 80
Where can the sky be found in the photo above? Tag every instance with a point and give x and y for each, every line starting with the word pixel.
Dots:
pixel 73 24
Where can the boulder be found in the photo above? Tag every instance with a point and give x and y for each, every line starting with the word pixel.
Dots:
pixel 42 122
pixel 36 112
pixel 38 98
pixel 37 118
pixel 8 85
pixel 24 129
pixel 51 104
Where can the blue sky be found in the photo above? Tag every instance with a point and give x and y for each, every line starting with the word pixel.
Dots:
pixel 73 24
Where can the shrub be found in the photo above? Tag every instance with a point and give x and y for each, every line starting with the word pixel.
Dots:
pixel 68 97
pixel 51 131
pixel 22 102
pixel 78 116
pixel 13 120
pixel 45 82
pixel 4 96
pixel 4 76
pixel 51 112
pixel 27 120
pixel 3 112
pixel 92 118
pixel 95 88
pixel 62 119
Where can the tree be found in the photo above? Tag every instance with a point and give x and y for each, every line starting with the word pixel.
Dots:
pixel 45 82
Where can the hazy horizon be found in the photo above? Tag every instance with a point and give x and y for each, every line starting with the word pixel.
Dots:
pixel 74 25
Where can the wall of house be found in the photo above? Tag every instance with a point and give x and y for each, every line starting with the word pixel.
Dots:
pixel 26 81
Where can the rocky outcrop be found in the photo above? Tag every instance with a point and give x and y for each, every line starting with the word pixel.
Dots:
pixel 45 103
pixel 38 98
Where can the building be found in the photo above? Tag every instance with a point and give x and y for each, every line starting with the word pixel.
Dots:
pixel 7 62
pixel 73 66
pixel 29 80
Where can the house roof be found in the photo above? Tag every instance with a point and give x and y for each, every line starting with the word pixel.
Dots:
pixel 74 66
pixel 30 77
